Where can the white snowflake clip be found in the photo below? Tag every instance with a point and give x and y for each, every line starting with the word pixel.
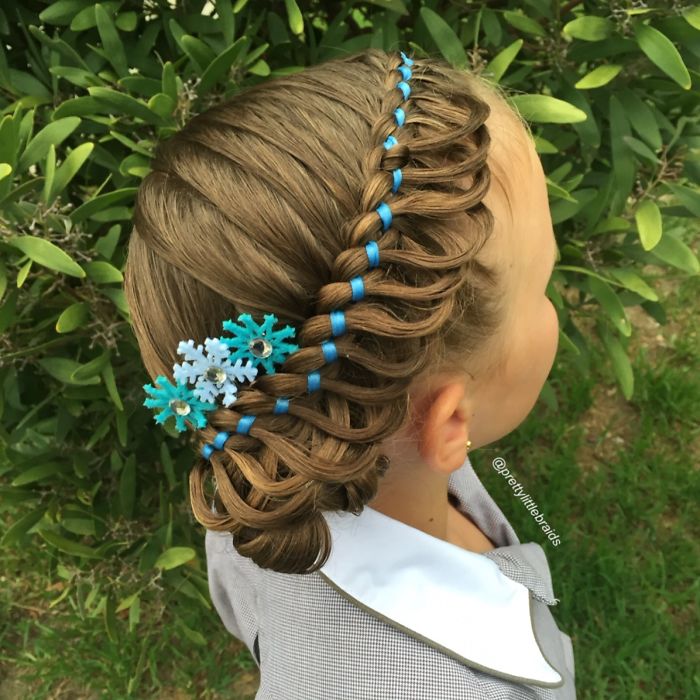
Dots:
pixel 217 367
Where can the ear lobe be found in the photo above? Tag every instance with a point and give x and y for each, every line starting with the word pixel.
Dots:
pixel 442 436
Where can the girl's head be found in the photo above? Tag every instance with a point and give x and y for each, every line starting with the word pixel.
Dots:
pixel 263 204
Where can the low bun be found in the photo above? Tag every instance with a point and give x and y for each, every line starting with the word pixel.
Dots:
pixel 302 544
pixel 279 524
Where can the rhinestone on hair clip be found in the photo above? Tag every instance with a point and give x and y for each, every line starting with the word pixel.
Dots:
pixel 216 369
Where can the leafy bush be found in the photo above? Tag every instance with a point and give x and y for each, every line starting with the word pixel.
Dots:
pixel 87 91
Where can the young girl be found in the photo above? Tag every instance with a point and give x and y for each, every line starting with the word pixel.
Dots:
pixel 337 282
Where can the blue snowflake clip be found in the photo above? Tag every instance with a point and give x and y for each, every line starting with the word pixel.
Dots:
pixel 216 369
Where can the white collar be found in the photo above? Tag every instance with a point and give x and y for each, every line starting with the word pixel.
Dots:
pixel 457 601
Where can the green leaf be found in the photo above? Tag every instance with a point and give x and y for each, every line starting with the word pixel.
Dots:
pixel 62 369
pixel 122 427
pixel 548 396
pixel 492 27
pixel 110 619
pixel 194 636
pixel 581 270
pixel 53 133
pixel 543 108
pixel 110 383
pixel 121 103
pixel 554 189
pixel 140 84
pixel 186 587
pixel 100 202
pixel 544 146
pixel 127 602
pixel 134 614
pixel 126 21
pixel 169 81
pixel 72 317
pixel 661 52
pixel 103 272
pixel 219 66
pixel 23 273
pixel 107 244
pixel 500 62
pixel 162 104
pixel 624 169
pixel 60 46
pixel 91 368
pixel 69 546
pixel 589 28
pixel 673 251
pixel 85 19
pixel 564 209
pixel 598 77
pixel 70 167
pixel 296 20
pixel 553 293
pixel 656 311
pixel 199 52
pixel 174 557
pixel 83 106
pixel 111 42
pixel 610 303
pixel 49 171
pixel 641 149
pixel 118 298
pixel 621 364
pixel 566 342
pixel 632 281
pixel 444 38
pixel 649 225
pixel 168 467
pixel 260 68
pixel 688 197
pixel 79 526
pixel 61 12
pixel 641 117
pixel 523 23
pixel 77 76
pixel 21 526
pixel 612 224
pixel 14 496
pixel 692 16
pixel 252 56
pixel 47 254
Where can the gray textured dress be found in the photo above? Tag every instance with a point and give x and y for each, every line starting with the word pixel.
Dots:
pixel 398 614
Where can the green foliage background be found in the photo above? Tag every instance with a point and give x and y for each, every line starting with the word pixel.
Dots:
pixel 86 91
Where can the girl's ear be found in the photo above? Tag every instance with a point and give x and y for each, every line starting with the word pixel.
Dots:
pixel 442 430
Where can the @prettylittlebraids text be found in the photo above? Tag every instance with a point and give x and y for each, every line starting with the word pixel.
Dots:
pixel 499 464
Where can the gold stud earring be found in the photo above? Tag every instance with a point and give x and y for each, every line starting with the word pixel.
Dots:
pixel 469 444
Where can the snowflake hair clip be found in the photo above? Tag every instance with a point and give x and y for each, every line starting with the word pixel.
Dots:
pixel 216 369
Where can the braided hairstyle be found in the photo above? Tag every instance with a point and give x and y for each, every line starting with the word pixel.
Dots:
pixel 263 204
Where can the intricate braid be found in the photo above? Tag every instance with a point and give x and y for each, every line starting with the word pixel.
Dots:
pixel 394 296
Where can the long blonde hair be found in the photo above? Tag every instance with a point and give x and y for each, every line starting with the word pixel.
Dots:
pixel 263 204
